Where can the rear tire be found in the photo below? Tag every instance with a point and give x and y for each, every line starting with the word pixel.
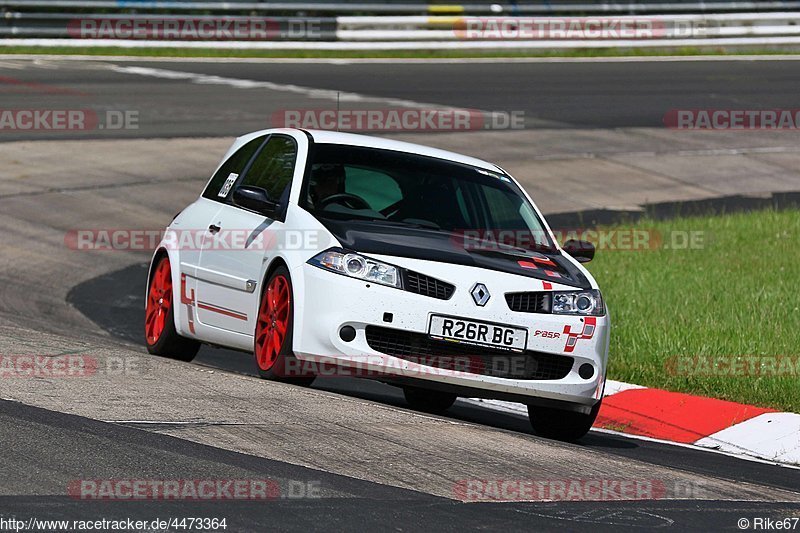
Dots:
pixel 274 333
pixel 161 337
pixel 429 401
pixel 561 424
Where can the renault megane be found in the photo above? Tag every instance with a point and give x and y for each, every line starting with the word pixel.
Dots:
pixel 426 269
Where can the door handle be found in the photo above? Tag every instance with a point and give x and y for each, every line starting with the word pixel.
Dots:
pixel 214 229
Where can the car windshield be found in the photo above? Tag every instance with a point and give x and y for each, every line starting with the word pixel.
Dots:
pixel 386 187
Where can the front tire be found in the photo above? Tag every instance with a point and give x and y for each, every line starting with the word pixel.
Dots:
pixel 161 336
pixel 429 401
pixel 560 424
pixel 274 333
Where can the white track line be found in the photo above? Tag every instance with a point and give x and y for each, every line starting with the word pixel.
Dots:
pixel 240 83
pixel 308 92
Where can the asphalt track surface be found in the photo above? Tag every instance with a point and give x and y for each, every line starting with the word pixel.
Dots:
pixel 553 95
pixel 586 95
pixel 37 441
pixel 380 465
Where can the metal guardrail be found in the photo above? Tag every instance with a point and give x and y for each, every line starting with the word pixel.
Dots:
pixel 67 25
pixel 423 28
pixel 261 29
pixel 476 7
pixel 649 27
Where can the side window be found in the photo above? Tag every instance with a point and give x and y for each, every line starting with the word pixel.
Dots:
pixel 273 167
pixel 220 185
pixel 378 189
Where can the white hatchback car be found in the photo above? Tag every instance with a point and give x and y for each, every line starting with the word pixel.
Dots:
pixel 328 253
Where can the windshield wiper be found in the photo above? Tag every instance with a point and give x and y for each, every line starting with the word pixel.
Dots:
pixel 493 247
pixel 417 223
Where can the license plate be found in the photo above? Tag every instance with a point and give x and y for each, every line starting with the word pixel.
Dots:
pixel 480 333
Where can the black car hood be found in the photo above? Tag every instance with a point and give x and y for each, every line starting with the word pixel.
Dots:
pixel 418 243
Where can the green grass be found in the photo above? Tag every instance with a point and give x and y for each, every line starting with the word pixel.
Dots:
pixel 401 54
pixel 735 297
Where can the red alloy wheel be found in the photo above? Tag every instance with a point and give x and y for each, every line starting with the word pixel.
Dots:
pixel 273 322
pixel 159 302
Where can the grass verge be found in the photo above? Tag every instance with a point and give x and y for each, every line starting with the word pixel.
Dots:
pixel 721 320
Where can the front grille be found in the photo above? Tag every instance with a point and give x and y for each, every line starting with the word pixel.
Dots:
pixel 420 348
pixel 528 302
pixel 428 286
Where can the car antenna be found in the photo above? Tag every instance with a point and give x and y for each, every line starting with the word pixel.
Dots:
pixel 337 111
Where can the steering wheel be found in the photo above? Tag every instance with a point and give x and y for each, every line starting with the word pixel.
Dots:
pixel 348 200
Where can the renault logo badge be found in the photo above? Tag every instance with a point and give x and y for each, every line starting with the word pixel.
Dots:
pixel 480 294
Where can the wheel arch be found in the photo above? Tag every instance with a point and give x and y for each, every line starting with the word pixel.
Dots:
pixel 277 262
pixel 274 265
pixel 177 311
pixel 157 255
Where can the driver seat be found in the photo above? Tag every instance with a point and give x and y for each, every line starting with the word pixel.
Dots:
pixel 326 180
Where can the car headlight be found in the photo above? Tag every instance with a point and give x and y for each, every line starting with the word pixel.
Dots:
pixel 578 303
pixel 357 266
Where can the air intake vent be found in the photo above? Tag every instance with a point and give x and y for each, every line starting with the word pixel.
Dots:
pixel 421 349
pixel 528 302
pixel 428 286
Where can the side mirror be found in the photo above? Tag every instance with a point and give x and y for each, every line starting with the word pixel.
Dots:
pixel 583 251
pixel 256 199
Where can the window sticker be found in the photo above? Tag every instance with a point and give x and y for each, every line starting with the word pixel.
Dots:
pixel 226 187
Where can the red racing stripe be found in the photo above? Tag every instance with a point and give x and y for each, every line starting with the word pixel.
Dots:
pixel 221 310
pixel 671 416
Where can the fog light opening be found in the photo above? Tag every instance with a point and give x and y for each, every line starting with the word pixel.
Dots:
pixel 586 371
pixel 347 333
